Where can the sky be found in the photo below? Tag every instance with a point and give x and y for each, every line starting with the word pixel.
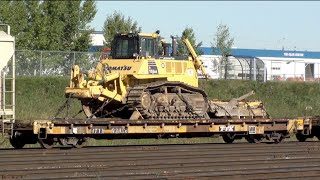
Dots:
pixel 292 25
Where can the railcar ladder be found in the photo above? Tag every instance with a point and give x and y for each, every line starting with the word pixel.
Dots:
pixel 7 81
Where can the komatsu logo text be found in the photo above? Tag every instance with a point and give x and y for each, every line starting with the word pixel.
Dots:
pixel 119 68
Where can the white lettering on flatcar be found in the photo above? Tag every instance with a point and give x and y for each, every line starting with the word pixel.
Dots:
pixel 119 131
pixel 226 128
pixel 97 130
pixel 252 130
pixel 74 130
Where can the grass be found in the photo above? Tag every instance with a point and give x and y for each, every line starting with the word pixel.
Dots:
pixel 282 99
pixel 41 97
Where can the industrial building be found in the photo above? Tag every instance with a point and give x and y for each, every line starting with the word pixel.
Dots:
pixel 265 64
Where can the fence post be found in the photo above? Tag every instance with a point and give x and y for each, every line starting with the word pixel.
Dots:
pixel 226 68
pixel 264 74
pixel 74 58
pixel 318 78
pixel 40 63
pixel 254 69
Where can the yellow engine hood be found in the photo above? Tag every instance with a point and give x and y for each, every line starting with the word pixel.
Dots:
pixel 125 66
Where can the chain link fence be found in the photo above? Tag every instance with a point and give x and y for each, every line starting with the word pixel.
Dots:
pixel 239 72
pixel 53 63
pixel 236 67
pixel 257 69
pixel 59 63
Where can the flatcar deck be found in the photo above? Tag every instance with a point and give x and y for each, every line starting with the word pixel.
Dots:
pixel 122 126
pixel 76 131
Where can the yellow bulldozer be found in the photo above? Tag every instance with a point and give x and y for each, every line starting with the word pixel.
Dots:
pixel 140 82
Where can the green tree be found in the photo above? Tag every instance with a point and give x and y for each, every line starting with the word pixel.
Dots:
pixel 118 23
pixel 50 25
pixel 222 44
pixel 188 33
pixel 15 14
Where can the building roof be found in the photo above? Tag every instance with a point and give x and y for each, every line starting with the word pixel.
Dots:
pixel 97 46
pixel 267 53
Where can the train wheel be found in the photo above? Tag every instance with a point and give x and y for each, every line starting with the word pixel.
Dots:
pixel 80 143
pixel 17 142
pixel 46 143
pixel 62 141
pixel 227 138
pixel 254 138
pixel 300 137
pixel 278 140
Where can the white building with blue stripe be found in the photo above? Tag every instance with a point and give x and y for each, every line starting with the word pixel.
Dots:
pixel 264 64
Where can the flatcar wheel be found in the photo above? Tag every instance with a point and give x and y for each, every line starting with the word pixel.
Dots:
pixel 227 138
pixel 62 141
pixel 278 140
pixel 80 143
pixel 17 143
pixel 300 137
pixel 46 143
pixel 254 138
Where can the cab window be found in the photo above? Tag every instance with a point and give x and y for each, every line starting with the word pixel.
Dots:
pixel 147 47
pixel 124 47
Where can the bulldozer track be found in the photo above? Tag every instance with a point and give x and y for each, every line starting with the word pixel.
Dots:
pixel 219 161
pixel 133 99
pixel 134 95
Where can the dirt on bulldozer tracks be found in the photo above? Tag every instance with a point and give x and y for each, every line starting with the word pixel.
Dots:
pixel 291 160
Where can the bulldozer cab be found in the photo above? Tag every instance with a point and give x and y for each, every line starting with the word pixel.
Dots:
pixel 133 45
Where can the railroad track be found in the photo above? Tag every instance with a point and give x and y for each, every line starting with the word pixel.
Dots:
pixel 290 160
